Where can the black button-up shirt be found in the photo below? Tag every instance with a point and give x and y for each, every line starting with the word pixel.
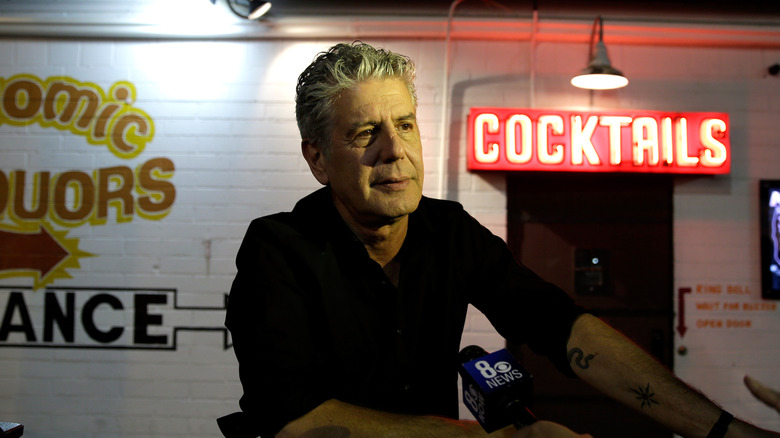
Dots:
pixel 314 318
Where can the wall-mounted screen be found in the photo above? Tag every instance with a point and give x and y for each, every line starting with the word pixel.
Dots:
pixel 769 195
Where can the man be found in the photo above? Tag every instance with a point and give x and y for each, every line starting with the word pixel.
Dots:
pixel 347 312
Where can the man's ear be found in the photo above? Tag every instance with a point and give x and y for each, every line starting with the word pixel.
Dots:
pixel 315 159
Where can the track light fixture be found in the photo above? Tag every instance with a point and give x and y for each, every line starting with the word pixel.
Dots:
pixel 249 9
pixel 599 74
pixel 257 9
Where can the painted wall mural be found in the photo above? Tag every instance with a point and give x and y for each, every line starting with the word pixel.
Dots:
pixel 38 208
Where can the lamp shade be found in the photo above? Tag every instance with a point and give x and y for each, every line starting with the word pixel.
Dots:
pixel 599 74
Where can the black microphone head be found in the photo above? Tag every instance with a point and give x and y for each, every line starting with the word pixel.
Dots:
pixel 467 354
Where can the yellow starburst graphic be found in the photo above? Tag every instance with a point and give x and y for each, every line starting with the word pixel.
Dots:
pixel 38 251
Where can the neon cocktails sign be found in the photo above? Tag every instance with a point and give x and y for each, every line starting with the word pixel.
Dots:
pixel 616 141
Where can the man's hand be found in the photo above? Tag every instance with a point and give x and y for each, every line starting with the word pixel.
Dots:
pixel 769 396
pixel 547 429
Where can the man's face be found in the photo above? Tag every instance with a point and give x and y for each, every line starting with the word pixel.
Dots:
pixel 375 166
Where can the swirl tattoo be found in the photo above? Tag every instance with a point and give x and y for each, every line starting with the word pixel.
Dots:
pixel 579 358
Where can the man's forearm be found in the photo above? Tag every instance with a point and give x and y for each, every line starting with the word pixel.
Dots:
pixel 336 419
pixel 614 365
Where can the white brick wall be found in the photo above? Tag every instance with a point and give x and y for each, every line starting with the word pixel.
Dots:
pixel 223 114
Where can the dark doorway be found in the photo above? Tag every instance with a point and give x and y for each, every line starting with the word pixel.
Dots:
pixel 606 239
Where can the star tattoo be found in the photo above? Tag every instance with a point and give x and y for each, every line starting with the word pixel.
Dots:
pixel 646 395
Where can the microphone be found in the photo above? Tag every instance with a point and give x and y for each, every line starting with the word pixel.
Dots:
pixel 496 389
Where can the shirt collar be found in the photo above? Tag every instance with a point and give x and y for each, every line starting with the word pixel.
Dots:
pixel 326 224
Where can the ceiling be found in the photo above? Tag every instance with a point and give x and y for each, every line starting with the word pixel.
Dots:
pixel 688 10
pixel 397 18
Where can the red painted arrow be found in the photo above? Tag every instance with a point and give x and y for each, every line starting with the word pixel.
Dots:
pixel 30 251
pixel 681 328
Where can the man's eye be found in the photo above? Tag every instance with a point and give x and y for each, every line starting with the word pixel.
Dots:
pixel 365 137
pixel 404 127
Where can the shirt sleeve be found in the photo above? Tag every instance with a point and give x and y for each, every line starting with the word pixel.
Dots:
pixel 523 308
pixel 270 328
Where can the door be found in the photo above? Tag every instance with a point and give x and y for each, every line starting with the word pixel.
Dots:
pixel 606 239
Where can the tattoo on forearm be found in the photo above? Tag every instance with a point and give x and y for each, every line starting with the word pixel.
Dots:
pixel 645 395
pixel 578 357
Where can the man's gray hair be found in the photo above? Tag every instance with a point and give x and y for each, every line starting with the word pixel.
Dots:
pixel 342 67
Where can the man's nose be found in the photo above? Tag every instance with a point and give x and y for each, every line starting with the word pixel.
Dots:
pixel 392 147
